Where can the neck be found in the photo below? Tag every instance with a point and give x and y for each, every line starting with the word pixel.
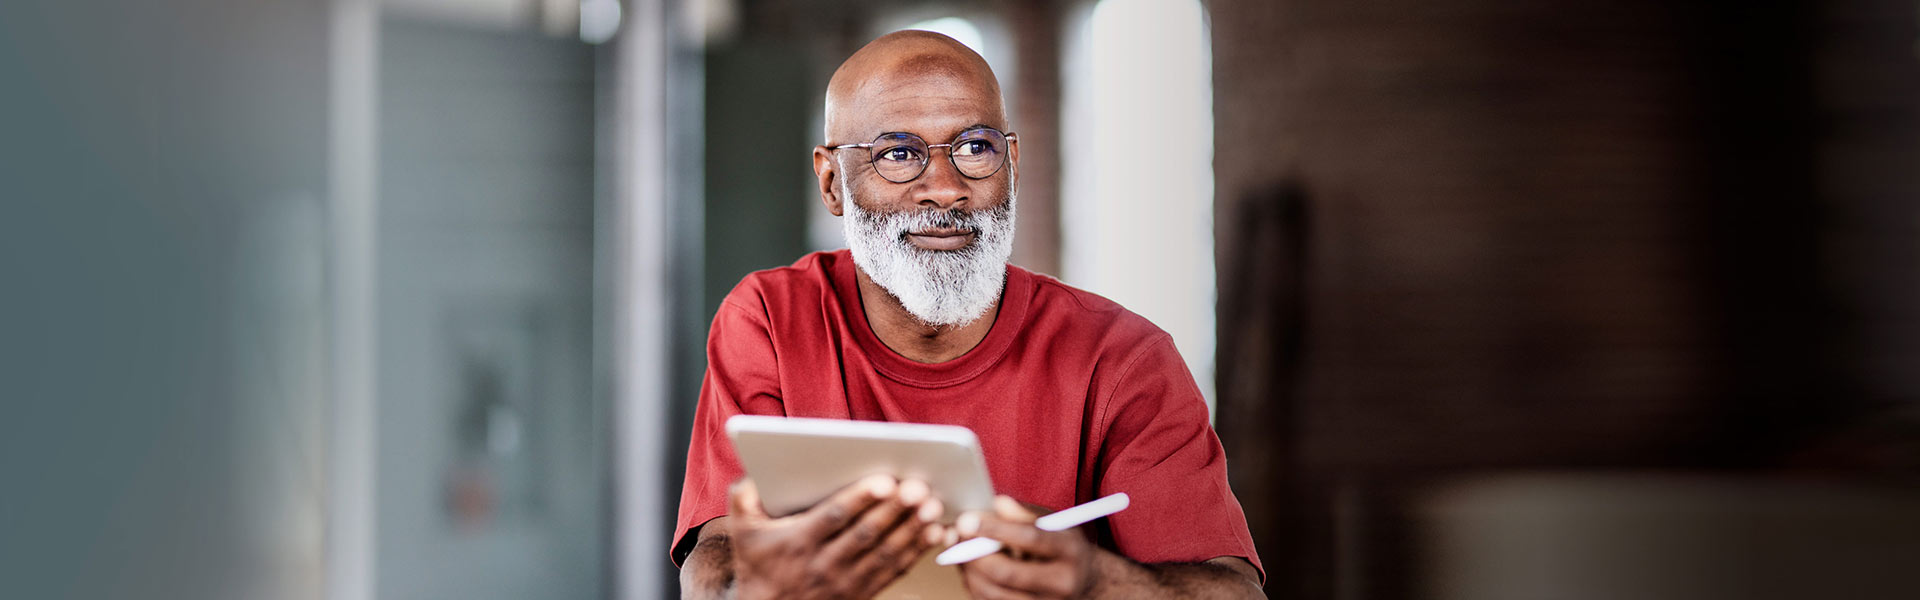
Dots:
pixel 908 336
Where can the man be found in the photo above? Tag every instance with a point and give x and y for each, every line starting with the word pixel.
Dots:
pixel 922 320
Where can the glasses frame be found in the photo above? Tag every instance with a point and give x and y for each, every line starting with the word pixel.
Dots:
pixel 873 158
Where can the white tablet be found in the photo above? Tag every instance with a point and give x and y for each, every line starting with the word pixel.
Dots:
pixel 797 462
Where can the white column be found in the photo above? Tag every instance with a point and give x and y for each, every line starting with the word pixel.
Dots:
pixel 639 278
pixel 353 41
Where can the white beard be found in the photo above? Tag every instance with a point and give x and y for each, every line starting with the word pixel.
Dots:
pixel 942 288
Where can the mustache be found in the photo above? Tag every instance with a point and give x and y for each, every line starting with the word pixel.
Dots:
pixel 971 221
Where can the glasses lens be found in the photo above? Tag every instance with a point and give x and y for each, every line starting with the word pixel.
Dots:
pixel 979 153
pixel 899 156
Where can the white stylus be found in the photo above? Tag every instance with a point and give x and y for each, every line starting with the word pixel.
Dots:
pixel 980 547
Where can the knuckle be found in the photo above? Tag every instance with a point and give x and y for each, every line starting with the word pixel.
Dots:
pixel 834 513
pixel 863 534
pixel 1063 545
pixel 1061 580
pixel 997 593
pixel 885 555
pixel 912 544
pixel 816 571
pixel 1007 531
pixel 1032 536
pixel 905 557
pixel 816 579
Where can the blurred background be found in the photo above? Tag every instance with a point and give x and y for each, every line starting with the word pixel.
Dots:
pixel 397 299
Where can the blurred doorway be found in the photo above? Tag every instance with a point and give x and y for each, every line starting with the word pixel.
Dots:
pixel 491 463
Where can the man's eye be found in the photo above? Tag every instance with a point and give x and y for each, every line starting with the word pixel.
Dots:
pixel 900 154
pixel 973 148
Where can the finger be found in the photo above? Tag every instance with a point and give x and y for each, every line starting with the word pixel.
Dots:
pixel 926 509
pixel 743 501
pixel 968 525
pixel 988 591
pixel 913 491
pixel 1012 511
pixel 1040 578
pixel 866 531
pixel 985 578
pixel 1009 509
pixel 902 546
pixel 930 512
pixel 837 511
pixel 1022 537
pixel 858 553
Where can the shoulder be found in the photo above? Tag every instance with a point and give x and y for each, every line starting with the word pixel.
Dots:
pixel 1134 362
pixel 766 291
pixel 1056 304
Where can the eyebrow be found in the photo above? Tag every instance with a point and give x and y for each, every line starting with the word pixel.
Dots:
pixel 962 130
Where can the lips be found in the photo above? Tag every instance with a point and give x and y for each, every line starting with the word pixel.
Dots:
pixel 945 238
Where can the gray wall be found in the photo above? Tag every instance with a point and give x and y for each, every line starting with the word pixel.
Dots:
pixel 491 443
pixel 162 180
pixel 758 166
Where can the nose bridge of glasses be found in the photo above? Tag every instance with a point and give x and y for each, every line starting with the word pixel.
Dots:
pixel 928 164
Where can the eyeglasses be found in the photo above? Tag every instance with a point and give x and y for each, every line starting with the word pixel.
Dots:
pixel 976 153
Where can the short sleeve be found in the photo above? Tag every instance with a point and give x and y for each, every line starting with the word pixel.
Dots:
pixel 742 378
pixel 1160 448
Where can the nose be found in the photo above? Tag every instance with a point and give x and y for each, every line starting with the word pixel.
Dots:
pixel 941 186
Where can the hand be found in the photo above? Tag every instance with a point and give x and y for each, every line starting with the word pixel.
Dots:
pixel 851 545
pixel 1040 564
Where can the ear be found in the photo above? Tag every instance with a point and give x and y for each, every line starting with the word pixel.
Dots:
pixel 1013 164
pixel 825 170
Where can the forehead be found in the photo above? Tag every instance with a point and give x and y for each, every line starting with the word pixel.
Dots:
pixel 935 105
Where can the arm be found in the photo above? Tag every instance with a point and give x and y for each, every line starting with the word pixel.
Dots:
pixel 1224 577
pixel 708 571
pixel 742 378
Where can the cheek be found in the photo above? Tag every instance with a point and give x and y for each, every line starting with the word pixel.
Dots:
pixel 880 195
pixel 860 182
pixel 868 189
pixel 852 192
pixel 995 190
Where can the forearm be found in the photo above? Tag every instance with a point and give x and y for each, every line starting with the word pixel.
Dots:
pixel 1119 577
pixel 707 573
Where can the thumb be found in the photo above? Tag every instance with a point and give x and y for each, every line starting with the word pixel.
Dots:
pixel 743 502
pixel 1011 510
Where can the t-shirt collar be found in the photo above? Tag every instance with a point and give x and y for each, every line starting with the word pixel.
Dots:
pixel 1007 323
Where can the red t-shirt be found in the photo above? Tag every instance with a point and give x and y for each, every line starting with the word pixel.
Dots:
pixel 1072 397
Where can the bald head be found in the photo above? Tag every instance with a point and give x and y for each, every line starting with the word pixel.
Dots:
pixel 904 76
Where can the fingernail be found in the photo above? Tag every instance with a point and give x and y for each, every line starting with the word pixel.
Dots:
pixel 882 486
pixel 931 534
pixel 930 510
pixel 1006 504
pixel 968 524
pixel 953 537
pixel 912 491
